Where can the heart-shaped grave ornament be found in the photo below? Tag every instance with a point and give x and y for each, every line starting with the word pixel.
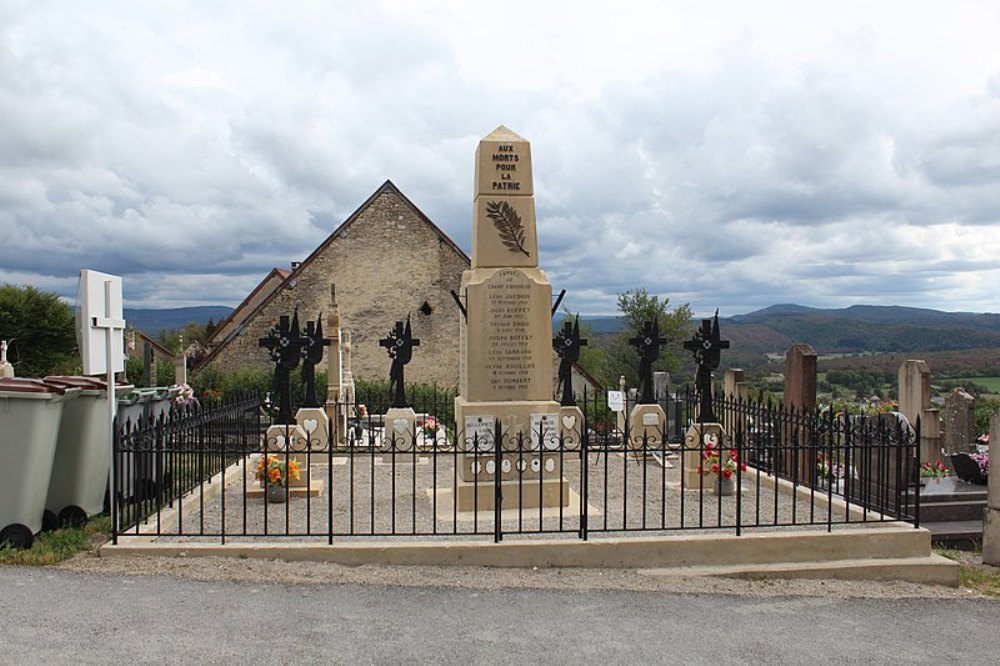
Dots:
pixel 309 425
pixel 569 421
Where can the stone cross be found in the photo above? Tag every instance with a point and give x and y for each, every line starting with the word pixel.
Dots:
pixel 648 343
pixel 707 347
pixel 567 346
pixel 399 343
pixel 312 353
pixel 284 344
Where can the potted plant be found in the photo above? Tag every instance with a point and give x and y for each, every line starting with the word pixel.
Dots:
pixel 722 467
pixel 273 473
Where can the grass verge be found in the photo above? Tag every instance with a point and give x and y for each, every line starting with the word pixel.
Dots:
pixel 975 575
pixel 59 545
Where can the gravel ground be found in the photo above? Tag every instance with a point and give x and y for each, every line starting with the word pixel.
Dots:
pixel 377 494
pixel 635 491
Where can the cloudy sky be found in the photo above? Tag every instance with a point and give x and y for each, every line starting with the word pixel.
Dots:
pixel 724 154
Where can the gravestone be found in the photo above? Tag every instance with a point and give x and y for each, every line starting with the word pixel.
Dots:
pixel 311 417
pixel 915 402
pixel 180 364
pixel 706 345
pixel 736 391
pixel 647 420
pixel 799 395
pixel 6 369
pixel 661 386
pixel 506 351
pixel 567 345
pixel 400 420
pixel 960 421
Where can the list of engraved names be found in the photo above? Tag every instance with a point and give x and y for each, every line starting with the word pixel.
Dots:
pixel 509 361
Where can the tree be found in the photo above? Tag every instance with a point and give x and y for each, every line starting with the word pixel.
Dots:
pixel 41 330
pixel 637 307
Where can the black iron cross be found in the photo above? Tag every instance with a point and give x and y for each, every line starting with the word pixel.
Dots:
pixel 312 354
pixel 648 343
pixel 567 346
pixel 707 346
pixel 284 344
pixel 399 343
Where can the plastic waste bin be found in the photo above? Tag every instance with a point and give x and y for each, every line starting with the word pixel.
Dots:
pixel 83 454
pixel 141 471
pixel 30 415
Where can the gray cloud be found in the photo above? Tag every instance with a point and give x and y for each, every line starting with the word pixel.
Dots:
pixel 193 148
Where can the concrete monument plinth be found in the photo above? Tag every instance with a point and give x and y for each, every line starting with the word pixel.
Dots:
pixel 647 426
pixel 400 429
pixel 695 440
pixel 315 425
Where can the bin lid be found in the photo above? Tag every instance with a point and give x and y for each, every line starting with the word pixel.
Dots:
pixel 86 383
pixel 26 385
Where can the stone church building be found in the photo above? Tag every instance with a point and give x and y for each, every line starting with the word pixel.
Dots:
pixel 387 261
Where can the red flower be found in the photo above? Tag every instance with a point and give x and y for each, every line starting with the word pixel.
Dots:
pixel 727 473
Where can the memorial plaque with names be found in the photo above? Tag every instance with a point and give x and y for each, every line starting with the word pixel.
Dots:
pixel 479 433
pixel 544 425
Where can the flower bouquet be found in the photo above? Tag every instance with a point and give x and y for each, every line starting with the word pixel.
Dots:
pixel 827 470
pixel 933 470
pixel 185 395
pixel 429 426
pixel 724 467
pixel 275 471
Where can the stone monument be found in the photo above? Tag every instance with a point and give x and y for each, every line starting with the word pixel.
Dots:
pixel 505 379
pixel 960 421
pixel 799 395
pixel 6 369
pixel 915 402
pixel 991 518
pixel 336 409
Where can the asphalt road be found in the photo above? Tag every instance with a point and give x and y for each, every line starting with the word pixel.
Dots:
pixel 57 617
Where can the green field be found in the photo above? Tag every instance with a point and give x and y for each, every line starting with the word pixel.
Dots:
pixel 992 383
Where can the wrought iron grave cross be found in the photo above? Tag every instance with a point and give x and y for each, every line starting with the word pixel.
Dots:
pixel 567 345
pixel 647 343
pixel 399 343
pixel 707 346
pixel 312 354
pixel 284 344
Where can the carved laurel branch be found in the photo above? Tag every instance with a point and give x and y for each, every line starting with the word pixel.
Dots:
pixel 508 223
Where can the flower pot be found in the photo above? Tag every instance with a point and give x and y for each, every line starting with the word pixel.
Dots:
pixel 725 487
pixel 275 493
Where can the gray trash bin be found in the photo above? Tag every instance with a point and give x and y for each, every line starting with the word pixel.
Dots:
pixel 30 416
pixel 141 473
pixel 83 454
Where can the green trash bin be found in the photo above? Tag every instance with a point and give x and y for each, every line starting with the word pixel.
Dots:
pixel 30 415
pixel 83 454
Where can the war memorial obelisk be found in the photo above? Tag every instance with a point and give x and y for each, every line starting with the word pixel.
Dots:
pixel 506 342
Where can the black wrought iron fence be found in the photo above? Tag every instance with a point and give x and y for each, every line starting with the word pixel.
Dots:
pixel 363 475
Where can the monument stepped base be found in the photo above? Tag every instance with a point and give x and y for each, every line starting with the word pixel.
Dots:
pixel 552 493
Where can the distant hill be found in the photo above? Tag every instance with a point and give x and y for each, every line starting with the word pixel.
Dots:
pixel 859 328
pixel 151 322
pixel 866 328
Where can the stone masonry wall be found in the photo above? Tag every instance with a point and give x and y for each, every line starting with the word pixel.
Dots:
pixel 385 265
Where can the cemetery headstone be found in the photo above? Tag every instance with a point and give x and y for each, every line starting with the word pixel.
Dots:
pixel 6 369
pixel 706 346
pixel 505 374
pixel 311 417
pixel 799 395
pixel 284 344
pixel 647 420
pixel 180 364
pixel 336 406
pixel 915 402
pixel 567 346
pixel 960 421
pixel 400 419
